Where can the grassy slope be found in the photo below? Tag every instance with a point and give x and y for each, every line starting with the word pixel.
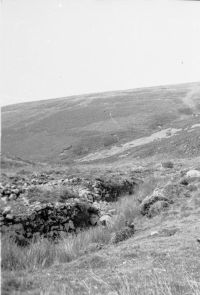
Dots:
pixel 64 129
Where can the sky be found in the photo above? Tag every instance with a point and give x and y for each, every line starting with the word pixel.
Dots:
pixel 58 48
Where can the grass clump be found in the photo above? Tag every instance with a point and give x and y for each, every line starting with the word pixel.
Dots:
pixel 38 254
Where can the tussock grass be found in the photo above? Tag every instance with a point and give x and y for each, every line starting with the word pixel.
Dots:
pixel 44 253
pixel 38 255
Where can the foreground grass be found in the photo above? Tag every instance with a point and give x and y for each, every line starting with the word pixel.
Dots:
pixel 157 282
pixel 161 280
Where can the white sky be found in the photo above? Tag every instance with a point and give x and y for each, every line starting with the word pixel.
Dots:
pixel 56 48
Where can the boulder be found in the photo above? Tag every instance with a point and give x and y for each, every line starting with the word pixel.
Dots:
pixel 193 174
pixel 94 219
pixel 12 197
pixel 106 220
pixel 6 210
pixel 150 200
pixel 9 216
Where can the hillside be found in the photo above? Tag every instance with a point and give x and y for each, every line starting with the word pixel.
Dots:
pixel 100 194
pixel 75 128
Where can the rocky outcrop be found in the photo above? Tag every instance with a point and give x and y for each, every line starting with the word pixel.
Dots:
pixel 154 203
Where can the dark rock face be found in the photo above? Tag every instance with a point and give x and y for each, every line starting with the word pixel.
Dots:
pixel 49 220
pixel 110 191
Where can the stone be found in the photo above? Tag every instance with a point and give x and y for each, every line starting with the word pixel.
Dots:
pixel 193 174
pixel 105 220
pixel 154 233
pixel 94 218
pixel 4 199
pixel 16 191
pixel 12 197
pixel 9 216
pixel 6 210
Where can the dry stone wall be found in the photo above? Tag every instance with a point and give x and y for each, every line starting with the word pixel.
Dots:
pixel 47 220
pixel 24 219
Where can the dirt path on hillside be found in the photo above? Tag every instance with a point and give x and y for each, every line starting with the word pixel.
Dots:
pixel 115 150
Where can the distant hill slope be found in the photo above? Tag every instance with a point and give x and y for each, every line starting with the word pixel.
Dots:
pixel 67 129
